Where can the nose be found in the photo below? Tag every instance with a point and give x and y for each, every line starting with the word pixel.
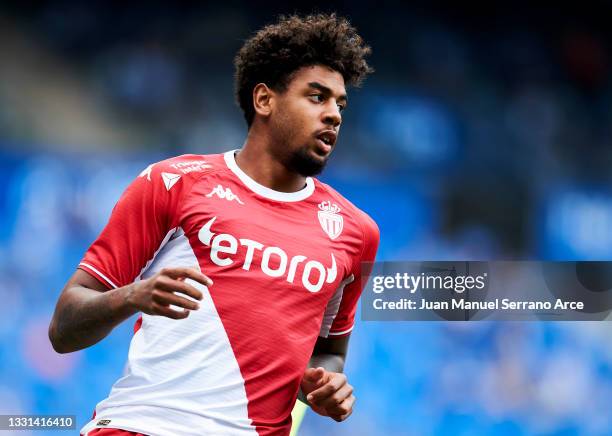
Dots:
pixel 332 115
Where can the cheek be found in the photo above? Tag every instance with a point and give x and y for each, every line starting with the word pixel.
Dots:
pixel 294 120
pixel 284 129
pixel 307 114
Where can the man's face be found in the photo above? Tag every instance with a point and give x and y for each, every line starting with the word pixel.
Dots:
pixel 306 119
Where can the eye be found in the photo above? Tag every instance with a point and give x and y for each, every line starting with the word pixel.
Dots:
pixel 341 107
pixel 318 98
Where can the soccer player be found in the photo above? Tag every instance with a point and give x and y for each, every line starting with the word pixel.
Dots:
pixel 246 270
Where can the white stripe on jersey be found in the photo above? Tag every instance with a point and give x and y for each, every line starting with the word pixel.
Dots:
pixel 332 309
pixel 182 376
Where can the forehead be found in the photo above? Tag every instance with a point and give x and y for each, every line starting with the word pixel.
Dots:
pixel 320 74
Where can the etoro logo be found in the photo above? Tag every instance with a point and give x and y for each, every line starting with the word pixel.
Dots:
pixel 314 275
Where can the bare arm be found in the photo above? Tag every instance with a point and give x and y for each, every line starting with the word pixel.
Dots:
pixel 324 386
pixel 87 312
pixel 330 353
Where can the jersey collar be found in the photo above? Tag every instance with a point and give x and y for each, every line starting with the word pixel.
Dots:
pixel 264 191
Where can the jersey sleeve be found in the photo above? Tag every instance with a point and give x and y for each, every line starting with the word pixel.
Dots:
pixel 343 304
pixel 141 222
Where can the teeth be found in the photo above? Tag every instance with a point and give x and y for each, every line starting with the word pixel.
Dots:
pixel 326 139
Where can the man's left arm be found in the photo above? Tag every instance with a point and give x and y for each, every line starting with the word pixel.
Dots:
pixel 324 385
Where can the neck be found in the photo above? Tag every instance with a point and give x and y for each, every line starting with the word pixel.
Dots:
pixel 257 161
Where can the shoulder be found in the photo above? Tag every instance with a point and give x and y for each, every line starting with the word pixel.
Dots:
pixel 186 168
pixel 187 164
pixel 371 233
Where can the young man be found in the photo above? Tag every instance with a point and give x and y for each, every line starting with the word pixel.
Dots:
pixel 247 271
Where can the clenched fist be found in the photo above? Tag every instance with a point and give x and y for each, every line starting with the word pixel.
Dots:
pixel 328 393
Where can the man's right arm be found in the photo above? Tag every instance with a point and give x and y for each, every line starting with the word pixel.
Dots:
pixel 87 312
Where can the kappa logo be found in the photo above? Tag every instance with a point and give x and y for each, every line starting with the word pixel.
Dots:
pixel 146 172
pixel 183 167
pixel 169 179
pixel 329 218
pixel 224 193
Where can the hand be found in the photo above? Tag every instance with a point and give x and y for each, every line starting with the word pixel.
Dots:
pixel 328 393
pixel 154 295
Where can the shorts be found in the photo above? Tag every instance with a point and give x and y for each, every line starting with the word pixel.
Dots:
pixel 112 432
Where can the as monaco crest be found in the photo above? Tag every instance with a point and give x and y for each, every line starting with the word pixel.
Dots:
pixel 331 221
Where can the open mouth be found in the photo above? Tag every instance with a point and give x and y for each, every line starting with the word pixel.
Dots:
pixel 326 140
pixel 323 147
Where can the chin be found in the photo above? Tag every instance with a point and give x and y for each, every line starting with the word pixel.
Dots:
pixel 307 162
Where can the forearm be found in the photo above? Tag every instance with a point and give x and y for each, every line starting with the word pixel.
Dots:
pixel 331 362
pixel 85 316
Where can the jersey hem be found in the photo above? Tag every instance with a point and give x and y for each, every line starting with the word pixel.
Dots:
pixel 150 427
pixel 120 426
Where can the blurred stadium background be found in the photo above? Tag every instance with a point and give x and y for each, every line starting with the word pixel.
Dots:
pixel 486 133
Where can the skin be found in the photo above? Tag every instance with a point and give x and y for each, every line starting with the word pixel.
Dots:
pixel 87 311
pixel 324 386
pixel 286 122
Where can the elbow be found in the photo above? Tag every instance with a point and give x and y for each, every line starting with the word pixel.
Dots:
pixel 56 341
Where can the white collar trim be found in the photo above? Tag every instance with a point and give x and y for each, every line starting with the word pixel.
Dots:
pixel 264 191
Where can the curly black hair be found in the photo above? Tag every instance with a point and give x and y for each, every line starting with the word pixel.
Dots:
pixel 278 50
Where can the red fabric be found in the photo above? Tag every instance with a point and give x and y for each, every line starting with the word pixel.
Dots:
pixel 138 224
pixel 138 324
pixel 112 432
pixel 272 320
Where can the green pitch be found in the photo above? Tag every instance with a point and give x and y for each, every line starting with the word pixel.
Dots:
pixel 297 415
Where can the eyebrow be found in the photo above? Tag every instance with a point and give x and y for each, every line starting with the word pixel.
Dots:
pixel 327 91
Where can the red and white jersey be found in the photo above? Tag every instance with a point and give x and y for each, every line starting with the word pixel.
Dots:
pixel 285 267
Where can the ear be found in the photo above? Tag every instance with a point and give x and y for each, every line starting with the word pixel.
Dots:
pixel 263 99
